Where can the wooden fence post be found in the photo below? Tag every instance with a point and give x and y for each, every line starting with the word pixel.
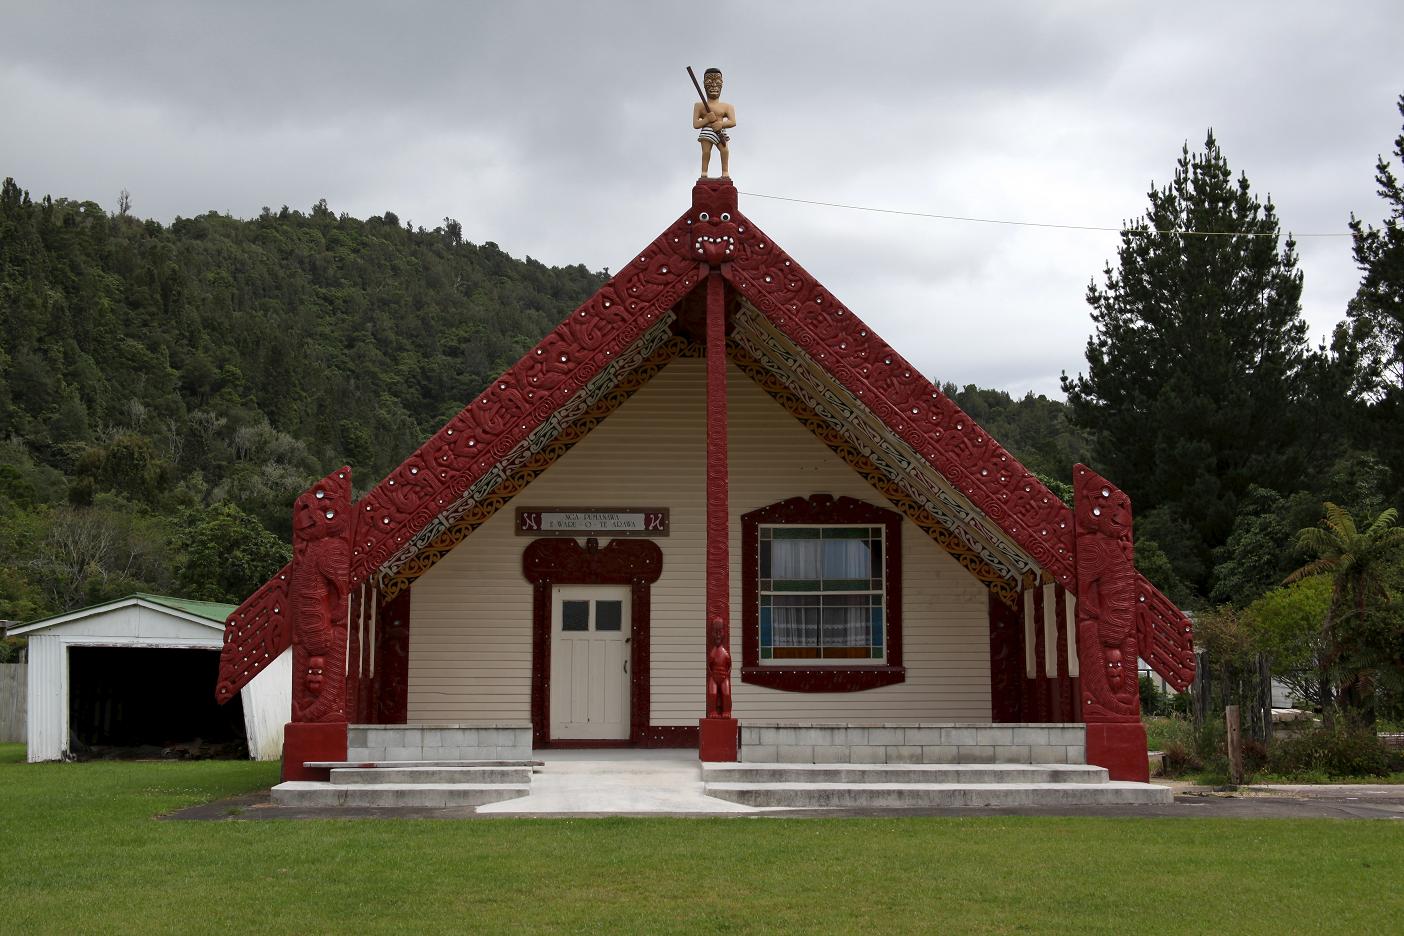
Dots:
pixel 1235 745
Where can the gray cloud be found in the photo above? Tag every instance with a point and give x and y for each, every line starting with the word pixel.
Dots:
pixel 556 129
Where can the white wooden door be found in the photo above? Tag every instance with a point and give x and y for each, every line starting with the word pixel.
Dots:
pixel 590 644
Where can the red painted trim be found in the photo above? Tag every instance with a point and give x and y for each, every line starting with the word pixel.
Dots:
pixel 1164 635
pixel 669 736
pixel 1042 688
pixel 1006 662
pixel 633 562
pixel 821 508
pixel 719 739
pixel 718 517
pixel 312 741
pixel 390 693
pixel 1121 748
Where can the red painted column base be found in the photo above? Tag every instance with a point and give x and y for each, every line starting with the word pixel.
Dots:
pixel 717 739
pixel 1121 748
pixel 312 741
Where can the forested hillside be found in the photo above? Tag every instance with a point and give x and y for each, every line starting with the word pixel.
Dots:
pixel 149 373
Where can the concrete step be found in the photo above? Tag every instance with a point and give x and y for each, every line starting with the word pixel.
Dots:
pixel 903 773
pixel 332 765
pixel 412 775
pixel 423 795
pixel 908 795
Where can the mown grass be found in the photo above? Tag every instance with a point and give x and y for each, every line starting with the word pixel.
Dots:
pixel 80 851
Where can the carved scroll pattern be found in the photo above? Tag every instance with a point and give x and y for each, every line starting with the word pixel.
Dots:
pixel 1106 599
pixel 1164 635
pixel 254 635
pixel 485 507
pixel 907 403
pixel 906 469
pixel 1006 589
pixel 500 420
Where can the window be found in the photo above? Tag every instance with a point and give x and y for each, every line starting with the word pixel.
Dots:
pixel 821 595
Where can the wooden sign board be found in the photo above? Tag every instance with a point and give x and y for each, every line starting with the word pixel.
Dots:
pixel 592 521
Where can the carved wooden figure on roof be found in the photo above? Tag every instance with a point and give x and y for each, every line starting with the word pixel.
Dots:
pixel 713 117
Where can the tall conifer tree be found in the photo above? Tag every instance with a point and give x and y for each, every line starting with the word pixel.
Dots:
pixel 1197 360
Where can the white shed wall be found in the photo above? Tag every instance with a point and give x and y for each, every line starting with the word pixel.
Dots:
pixel 46 715
pixel 470 632
pixel 267 700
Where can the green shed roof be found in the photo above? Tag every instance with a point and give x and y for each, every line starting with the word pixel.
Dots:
pixel 210 610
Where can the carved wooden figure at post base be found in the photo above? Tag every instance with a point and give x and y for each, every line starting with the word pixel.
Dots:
pixel 317 589
pixel 1107 599
pixel 713 117
pixel 718 673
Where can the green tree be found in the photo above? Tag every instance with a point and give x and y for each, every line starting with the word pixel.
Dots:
pixel 1358 563
pixel 225 554
pixel 1197 359
pixel 1285 623
pixel 1378 312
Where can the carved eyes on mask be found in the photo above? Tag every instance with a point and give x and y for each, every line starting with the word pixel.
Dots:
pixel 726 216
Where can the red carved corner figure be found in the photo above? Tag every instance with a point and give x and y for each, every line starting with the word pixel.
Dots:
pixel 317 589
pixel 1106 596
pixel 718 675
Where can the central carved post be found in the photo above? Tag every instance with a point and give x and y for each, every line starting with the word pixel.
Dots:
pixel 718 728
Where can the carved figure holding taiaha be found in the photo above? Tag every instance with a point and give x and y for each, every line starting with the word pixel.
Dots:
pixel 718 675
pixel 713 117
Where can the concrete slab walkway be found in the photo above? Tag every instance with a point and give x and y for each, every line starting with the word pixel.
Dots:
pixel 616 781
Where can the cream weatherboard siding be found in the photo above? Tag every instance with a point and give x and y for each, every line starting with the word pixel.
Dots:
pixel 470 632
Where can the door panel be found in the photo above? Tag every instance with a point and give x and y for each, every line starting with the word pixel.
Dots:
pixel 590 644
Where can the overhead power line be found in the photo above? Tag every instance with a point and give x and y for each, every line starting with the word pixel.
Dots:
pixel 1037 224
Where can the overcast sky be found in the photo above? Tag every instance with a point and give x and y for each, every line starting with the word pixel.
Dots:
pixel 560 131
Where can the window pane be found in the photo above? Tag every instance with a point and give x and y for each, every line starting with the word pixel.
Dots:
pixel 847 621
pixel 795 558
pixel 847 559
pixel 575 615
pixel 609 615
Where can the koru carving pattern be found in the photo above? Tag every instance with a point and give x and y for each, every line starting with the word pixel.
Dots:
pixel 1006 589
pixel 571 433
pixel 904 466
pixel 1164 635
pixel 1106 599
pixel 499 422
pixel 254 635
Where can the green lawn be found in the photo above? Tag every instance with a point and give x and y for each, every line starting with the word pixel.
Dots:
pixel 80 851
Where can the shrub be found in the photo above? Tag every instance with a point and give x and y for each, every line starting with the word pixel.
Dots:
pixel 1180 758
pixel 1343 751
